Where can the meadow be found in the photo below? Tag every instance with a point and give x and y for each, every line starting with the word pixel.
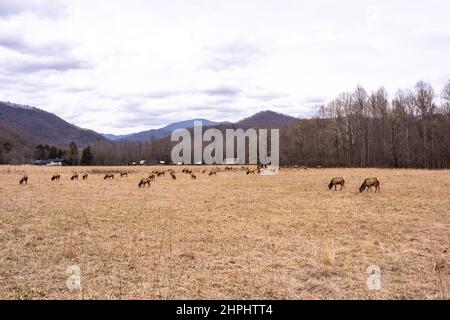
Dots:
pixel 228 236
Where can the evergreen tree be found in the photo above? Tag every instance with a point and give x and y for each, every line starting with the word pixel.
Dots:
pixel 86 156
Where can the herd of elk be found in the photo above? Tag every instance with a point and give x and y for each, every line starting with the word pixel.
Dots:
pixel 145 182
pixel 335 182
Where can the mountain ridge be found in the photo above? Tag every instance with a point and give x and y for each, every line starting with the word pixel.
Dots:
pixel 45 126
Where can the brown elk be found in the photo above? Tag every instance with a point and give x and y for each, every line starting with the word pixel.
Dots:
pixel 109 176
pixel 173 176
pixel 369 183
pixel 85 176
pixel 74 177
pixel 335 182
pixel 145 182
pixel 151 177
pixel 24 180
pixel 211 173
pixel 193 177
pixel 304 167
pixel 124 174
pixel 251 172
pixel 56 177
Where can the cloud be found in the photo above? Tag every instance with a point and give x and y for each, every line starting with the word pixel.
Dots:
pixel 236 54
pixel 51 64
pixel 222 91
pixel 18 44
pixel 47 8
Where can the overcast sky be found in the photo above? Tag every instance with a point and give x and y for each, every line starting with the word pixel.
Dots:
pixel 126 66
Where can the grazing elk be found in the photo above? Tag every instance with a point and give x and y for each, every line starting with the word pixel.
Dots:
pixel 251 171
pixel 85 176
pixel 211 173
pixel 369 183
pixel 335 182
pixel 23 180
pixel 145 182
pixel 173 176
pixel 151 177
pixel 124 174
pixel 193 177
pixel 56 177
pixel 109 176
pixel 74 177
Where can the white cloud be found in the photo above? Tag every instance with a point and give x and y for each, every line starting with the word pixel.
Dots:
pixel 125 66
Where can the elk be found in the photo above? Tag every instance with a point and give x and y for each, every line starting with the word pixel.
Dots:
pixel 212 173
pixel 85 176
pixel 109 176
pixel 23 180
pixel 193 177
pixel 173 176
pixel 162 173
pixel 74 177
pixel 335 182
pixel 369 183
pixel 304 167
pixel 251 171
pixel 124 174
pixel 151 177
pixel 145 182
pixel 56 177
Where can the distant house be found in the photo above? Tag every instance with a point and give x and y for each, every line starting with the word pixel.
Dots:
pixel 49 162
pixel 142 163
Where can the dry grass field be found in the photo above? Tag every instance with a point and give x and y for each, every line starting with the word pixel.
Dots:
pixel 229 236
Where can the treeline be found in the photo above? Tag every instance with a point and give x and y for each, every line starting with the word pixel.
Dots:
pixel 357 129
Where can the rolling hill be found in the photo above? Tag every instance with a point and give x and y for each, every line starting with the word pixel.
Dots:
pixel 263 119
pixel 45 127
pixel 162 132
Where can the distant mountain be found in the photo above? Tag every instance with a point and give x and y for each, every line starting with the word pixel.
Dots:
pixel 111 137
pixel 45 126
pixel 162 132
pixel 266 119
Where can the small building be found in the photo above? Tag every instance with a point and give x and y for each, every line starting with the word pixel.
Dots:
pixel 49 162
pixel 142 163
